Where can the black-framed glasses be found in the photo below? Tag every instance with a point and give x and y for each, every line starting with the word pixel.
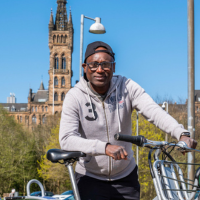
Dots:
pixel 106 66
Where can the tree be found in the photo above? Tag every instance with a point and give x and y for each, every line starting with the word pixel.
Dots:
pixel 17 153
pixel 54 173
pixel 150 132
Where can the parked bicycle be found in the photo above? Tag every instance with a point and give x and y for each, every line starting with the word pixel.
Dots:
pixel 167 185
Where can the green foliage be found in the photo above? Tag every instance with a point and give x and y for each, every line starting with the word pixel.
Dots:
pixel 23 153
pixel 150 132
pixel 17 153
pixel 54 172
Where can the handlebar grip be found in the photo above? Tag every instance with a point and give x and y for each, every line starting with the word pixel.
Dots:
pixel 138 140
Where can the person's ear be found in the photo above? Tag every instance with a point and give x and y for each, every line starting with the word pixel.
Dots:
pixel 84 67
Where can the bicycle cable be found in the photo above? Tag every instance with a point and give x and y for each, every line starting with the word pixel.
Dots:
pixel 165 156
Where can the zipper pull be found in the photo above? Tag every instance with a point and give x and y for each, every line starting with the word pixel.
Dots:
pixel 103 105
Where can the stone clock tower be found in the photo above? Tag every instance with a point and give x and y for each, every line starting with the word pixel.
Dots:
pixel 49 102
pixel 61 48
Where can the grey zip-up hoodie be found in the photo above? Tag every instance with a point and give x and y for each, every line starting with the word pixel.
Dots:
pixel 89 128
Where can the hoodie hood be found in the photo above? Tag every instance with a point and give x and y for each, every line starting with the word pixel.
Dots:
pixel 82 85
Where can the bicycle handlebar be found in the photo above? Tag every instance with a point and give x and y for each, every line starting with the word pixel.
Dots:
pixel 143 142
pixel 138 140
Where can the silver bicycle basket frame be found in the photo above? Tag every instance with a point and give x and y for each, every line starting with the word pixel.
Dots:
pixel 166 182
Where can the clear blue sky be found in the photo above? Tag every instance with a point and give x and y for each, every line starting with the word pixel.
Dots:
pixel 149 38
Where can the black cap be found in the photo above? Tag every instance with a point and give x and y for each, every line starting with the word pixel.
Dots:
pixel 93 46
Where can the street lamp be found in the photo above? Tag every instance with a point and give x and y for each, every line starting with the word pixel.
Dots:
pixel 96 28
pixel 165 107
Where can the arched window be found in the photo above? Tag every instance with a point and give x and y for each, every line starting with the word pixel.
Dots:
pixel 56 62
pixel 32 109
pixel 54 39
pixel 63 62
pixel 62 39
pixel 62 96
pixel 42 108
pixel 34 119
pixel 46 108
pixel 20 119
pixel 35 108
pixel 56 96
pixel 63 81
pixel 59 39
pixel 43 119
pixel 55 81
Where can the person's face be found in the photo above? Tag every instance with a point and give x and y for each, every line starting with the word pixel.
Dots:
pixel 99 78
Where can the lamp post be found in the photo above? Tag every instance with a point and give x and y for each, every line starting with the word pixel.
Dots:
pixel 191 86
pixel 96 28
pixel 165 107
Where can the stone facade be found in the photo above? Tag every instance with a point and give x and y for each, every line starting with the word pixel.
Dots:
pixel 48 102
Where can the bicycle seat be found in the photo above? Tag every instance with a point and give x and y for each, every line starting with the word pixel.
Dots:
pixel 54 155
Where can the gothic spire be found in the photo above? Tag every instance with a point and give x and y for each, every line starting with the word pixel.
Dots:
pixel 70 17
pixel 51 22
pixel 61 15
pixel 51 18
pixel 41 86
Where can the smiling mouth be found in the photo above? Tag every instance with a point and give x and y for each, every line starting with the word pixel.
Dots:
pixel 100 77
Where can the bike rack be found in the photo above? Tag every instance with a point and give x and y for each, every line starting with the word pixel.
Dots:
pixel 29 185
pixel 43 197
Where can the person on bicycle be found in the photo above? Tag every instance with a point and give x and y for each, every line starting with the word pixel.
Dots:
pixel 99 106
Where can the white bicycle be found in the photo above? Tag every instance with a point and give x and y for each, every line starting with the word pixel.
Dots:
pixel 163 173
pixel 167 185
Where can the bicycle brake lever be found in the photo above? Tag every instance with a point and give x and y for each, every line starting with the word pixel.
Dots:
pixel 182 147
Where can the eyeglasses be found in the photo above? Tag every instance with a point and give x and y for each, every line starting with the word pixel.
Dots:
pixel 106 66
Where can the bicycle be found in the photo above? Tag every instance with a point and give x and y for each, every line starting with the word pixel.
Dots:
pixel 162 171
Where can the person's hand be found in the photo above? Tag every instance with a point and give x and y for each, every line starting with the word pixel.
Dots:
pixel 191 143
pixel 116 152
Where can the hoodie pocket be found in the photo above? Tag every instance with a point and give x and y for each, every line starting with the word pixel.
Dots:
pixel 85 160
pixel 95 164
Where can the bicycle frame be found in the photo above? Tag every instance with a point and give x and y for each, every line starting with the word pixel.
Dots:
pixel 165 179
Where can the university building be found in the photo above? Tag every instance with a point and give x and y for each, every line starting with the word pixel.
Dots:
pixel 47 102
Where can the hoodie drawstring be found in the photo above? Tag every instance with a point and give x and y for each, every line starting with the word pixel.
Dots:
pixel 117 107
pixel 90 102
